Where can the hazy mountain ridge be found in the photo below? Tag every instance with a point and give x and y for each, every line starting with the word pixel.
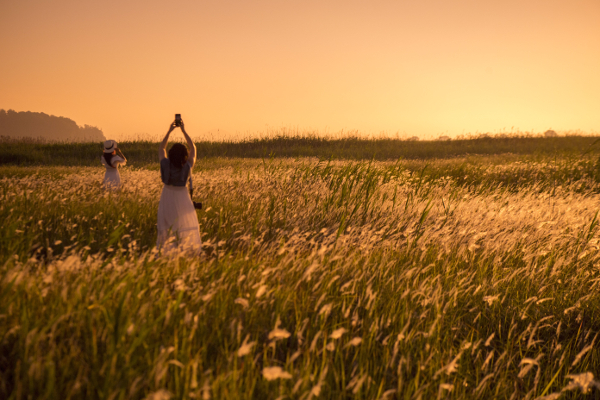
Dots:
pixel 38 125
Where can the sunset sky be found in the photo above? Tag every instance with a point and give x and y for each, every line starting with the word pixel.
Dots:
pixel 425 68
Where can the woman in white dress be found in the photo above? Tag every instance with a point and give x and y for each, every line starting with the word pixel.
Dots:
pixel 177 220
pixel 111 159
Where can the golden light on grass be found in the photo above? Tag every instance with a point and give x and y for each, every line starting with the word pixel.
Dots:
pixel 471 278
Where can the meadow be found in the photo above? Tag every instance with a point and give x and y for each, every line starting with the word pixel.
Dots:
pixel 292 144
pixel 471 276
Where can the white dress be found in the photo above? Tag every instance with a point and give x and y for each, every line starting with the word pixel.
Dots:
pixel 177 221
pixel 112 178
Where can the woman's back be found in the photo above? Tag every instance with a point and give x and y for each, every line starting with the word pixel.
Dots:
pixel 172 175
pixel 115 161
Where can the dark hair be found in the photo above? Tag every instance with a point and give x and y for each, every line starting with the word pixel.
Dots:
pixel 178 155
pixel 108 157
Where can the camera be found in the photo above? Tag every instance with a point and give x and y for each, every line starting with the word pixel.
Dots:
pixel 177 119
pixel 197 204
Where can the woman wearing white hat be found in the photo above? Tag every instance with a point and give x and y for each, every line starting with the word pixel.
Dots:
pixel 111 159
pixel 177 221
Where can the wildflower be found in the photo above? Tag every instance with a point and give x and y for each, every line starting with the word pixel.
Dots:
pixel 482 383
pixel 338 333
pixel 272 373
pixel 246 347
pixel 279 334
pixel 316 390
pixel 551 396
pixel 297 385
pixel 326 309
pixel 261 290
pixel 161 394
pixel 582 353
pixel 243 302
pixel 354 341
pixel 527 364
pixel 179 285
pixel 491 299
pixel 313 344
pixel 582 381
pixel 451 367
pixel 388 393
pixel 446 386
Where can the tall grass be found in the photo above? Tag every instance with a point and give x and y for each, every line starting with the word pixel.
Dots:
pixel 328 279
pixel 143 152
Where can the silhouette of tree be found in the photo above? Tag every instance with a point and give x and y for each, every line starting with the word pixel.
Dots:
pixel 28 124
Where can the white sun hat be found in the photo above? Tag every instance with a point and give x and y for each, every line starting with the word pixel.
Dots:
pixel 110 146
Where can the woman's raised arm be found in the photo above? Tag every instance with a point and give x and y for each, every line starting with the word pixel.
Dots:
pixel 191 146
pixel 120 153
pixel 162 150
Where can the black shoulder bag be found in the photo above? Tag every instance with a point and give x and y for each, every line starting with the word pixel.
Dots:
pixel 197 205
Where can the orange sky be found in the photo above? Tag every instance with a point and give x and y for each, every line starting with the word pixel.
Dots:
pixel 425 68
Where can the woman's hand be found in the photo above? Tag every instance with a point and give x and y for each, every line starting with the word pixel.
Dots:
pixel 172 126
pixel 181 125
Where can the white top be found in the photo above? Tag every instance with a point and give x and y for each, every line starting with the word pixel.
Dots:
pixel 115 161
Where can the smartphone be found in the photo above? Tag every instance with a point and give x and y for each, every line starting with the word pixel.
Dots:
pixel 177 119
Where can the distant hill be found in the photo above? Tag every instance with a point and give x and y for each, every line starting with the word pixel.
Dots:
pixel 28 124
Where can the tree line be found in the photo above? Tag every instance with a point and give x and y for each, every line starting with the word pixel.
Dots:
pixel 38 125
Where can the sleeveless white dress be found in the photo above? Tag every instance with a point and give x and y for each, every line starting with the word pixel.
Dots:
pixel 112 178
pixel 177 221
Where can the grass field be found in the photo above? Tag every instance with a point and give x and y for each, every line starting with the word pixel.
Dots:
pixel 282 144
pixel 463 277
